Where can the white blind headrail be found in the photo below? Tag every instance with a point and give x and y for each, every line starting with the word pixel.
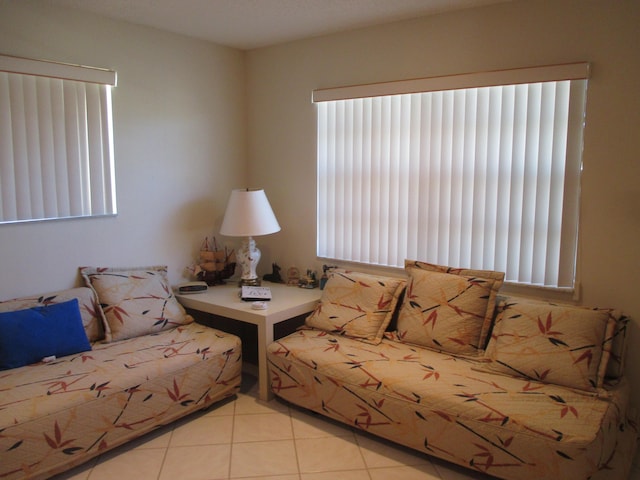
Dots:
pixel 62 71
pixel 569 71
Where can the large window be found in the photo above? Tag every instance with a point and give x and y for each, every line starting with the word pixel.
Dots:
pixel 56 141
pixel 476 171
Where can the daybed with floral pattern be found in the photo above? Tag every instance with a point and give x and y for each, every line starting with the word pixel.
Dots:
pixel 87 369
pixel 513 388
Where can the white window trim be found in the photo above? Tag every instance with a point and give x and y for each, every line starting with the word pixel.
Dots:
pixel 63 71
pixel 570 71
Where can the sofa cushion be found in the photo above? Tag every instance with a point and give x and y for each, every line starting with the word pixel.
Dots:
pixel 559 344
pixel 135 301
pixel 58 415
pixel 616 363
pixel 443 405
pixel 87 300
pixel 28 336
pixel 357 305
pixel 448 309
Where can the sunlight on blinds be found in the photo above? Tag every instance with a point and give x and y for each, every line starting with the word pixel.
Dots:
pixel 56 141
pixel 484 178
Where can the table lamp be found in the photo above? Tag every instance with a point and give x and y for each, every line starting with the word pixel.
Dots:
pixel 248 214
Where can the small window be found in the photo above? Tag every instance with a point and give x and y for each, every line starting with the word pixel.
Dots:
pixel 56 141
pixel 472 171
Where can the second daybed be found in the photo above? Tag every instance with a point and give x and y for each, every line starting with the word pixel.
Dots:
pixel 545 400
pixel 143 363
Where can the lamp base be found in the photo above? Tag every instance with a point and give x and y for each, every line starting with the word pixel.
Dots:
pixel 248 257
pixel 249 282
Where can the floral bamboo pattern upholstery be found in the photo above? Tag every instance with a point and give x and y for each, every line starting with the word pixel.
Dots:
pixel 558 344
pixel 135 301
pixel 357 305
pixel 615 366
pixel 448 309
pixel 447 406
pixel 87 301
pixel 57 415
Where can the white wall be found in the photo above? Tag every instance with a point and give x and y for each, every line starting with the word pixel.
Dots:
pixel 281 131
pixel 179 121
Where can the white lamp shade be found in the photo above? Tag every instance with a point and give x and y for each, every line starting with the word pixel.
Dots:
pixel 248 214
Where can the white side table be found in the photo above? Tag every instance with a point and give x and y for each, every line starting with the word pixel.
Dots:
pixel 286 303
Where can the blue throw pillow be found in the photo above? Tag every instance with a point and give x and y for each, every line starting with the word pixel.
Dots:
pixel 28 336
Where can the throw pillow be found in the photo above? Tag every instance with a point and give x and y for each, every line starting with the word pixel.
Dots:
pixel 28 336
pixel 616 363
pixel 87 300
pixel 135 301
pixel 559 344
pixel 357 305
pixel 448 309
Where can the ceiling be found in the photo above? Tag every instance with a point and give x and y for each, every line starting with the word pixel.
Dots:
pixel 248 24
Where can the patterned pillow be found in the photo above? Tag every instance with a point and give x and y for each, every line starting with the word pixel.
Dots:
pixel 357 305
pixel 615 366
pixel 559 344
pixel 448 309
pixel 88 302
pixel 135 301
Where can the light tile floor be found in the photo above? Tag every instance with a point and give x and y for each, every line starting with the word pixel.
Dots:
pixel 245 438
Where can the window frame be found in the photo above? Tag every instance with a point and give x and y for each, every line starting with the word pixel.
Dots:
pixel 56 127
pixel 554 73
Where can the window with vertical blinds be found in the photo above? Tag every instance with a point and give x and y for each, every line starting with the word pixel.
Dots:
pixel 473 171
pixel 56 141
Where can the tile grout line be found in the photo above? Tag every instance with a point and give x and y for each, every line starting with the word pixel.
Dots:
pixel 364 460
pixel 295 441
pixel 233 427
pixel 166 452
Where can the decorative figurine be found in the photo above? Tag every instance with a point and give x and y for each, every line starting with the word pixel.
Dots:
pixel 309 280
pixel 325 277
pixel 293 276
pixel 274 276
pixel 214 266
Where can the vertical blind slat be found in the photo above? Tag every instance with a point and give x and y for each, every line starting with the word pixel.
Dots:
pixel 9 208
pixel 45 128
pixel 56 158
pixel 365 246
pixel 482 176
pixel 60 148
pixel 34 169
pixel 471 178
pixel 108 155
pixel 95 159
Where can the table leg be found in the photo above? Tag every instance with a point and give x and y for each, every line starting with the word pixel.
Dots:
pixel 265 337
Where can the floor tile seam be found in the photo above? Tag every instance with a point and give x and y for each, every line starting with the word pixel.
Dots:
pixel 339 470
pixel 98 460
pixel 417 454
pixel 254 414
pixel 233 427
pixel 200 444
pixel 301 472
pixel 287 414
pixel 93 462
pixel 295 444
pixel 357 438
pixel 362 456
pixel 164 459
pixel 267 440
pixel 166 450
pixel 317 437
